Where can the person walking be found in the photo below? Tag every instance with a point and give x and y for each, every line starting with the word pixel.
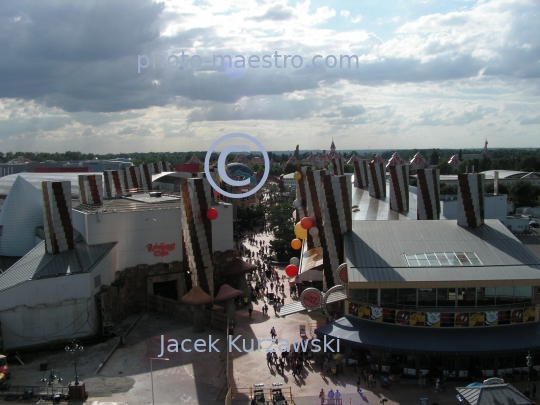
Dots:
pixel 282 365
pixel 334 371
pixel 331 397
pixel 293 367
pixel 358 383
pixel 370 381
pixel 337 397
pixel 274 357
pixel 269 359
pixel 298 368
pixel 273 333
pixel 321 396
pixel 250 308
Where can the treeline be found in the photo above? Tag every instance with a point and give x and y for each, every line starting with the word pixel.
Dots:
pixel 499 159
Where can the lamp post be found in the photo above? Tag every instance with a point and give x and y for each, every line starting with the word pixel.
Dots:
pixel 52 377
pixel 152 375
pixel 529 364
pixel 73 347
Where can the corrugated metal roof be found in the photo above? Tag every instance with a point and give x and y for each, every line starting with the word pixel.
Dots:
pixel 494 394
pixel 38 263
pixel 376 252
pixel 35 180
pixel 297 306
pixel 378 209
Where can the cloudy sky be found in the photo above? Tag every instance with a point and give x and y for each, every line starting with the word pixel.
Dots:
pixel 107 76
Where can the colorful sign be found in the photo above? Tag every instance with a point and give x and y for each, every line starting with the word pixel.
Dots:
pixel 161 250
pixel 443 319
pixel 311 298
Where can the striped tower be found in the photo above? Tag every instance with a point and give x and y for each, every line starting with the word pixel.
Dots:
pixel 114 183
pixel 57 216
pixel 169 167
pixel 197 230
pixel 133 176
pixel 361 170
pixel 471 200
pixel 146 177
pixel 399 187
pixel 428 199
pixel 377 178
pixel 327 199
pixel 156 167
pixel 91 189
pixel 214 174
pixel 337 168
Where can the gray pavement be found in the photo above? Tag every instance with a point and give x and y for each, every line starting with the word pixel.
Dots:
pixel 200 378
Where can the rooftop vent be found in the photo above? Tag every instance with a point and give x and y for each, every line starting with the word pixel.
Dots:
pixel 155 194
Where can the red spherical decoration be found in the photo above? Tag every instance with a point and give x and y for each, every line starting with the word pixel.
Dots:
pixel 212 214
pixel 306 223
pixel 291 270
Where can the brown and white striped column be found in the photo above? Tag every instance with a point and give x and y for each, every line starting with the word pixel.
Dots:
pixel 471 200
pixel 133 176
pixel 428 197
pixel 361 170
pixel 399 187
pixel 338 168
pixel 146 177
pixel 377 178
pixel 114 183
pixel 91 189
pixel 197 230
pixel 57 216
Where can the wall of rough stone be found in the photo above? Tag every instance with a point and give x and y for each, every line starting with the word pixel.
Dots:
pixel 128 294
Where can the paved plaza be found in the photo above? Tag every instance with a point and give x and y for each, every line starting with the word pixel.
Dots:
pixel 200 378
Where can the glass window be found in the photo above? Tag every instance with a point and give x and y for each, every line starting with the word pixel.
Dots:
pixel 407 297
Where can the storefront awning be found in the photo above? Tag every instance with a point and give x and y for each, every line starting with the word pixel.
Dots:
pixel 442 341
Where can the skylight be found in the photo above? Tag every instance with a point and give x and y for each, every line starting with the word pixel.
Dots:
pixel 443 259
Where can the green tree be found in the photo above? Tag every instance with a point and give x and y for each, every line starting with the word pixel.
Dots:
pixel 502 164
pixel 280 220
pixel 348 168
pixel 464 165
pixel 529 164
pixel 448 189
pixel 524 194
pixel 434 158
pixel 490 188
pixel 445 167
pixel 485 164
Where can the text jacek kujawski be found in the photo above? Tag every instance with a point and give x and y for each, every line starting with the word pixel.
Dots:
pixel 246 345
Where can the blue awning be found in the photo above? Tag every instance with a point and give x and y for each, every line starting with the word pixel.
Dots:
pixel 444 341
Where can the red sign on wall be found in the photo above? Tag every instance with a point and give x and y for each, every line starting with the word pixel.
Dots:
pixel 312 299
pixel 161 250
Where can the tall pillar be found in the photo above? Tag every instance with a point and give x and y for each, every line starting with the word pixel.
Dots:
pixel 428 197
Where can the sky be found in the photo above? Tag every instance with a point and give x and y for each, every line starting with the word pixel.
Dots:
pixel 101 76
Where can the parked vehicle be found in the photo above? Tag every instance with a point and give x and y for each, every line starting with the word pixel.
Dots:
pixel 534 224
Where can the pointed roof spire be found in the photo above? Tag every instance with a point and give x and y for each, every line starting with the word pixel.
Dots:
pixel 332 147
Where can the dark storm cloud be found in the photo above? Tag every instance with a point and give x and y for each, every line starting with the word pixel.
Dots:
pixel 82 56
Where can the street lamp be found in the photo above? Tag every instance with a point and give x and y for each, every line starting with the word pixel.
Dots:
pixel 152 375
pixel 529 364
pixel 73 347
pixel 50 382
